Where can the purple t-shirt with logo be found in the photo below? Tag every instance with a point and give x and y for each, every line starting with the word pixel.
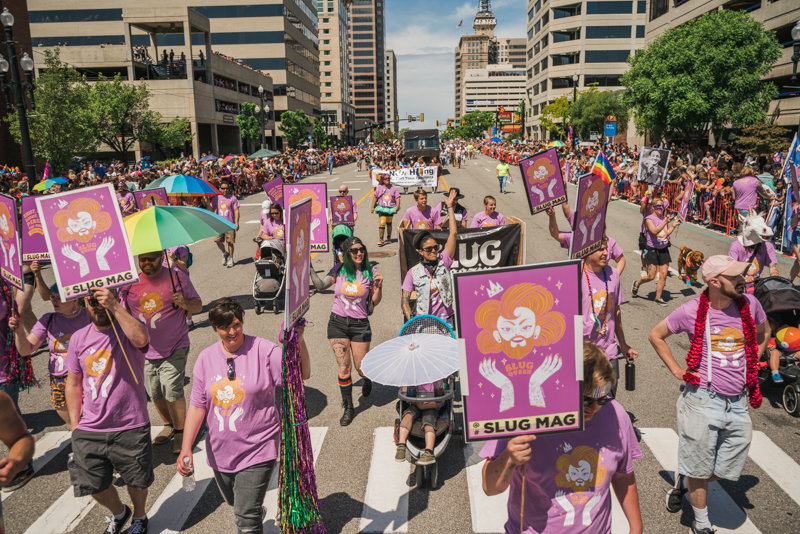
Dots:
pixel 436 306
pixel 568 478
pixel 58 330
pixel 746 190
pixel 181 252
pixel 481 220
pixel 350 298
pixel 243 422
pixel 659 240
pixel 112 401
pixel 150 301
pixel 615 252
pixel 728 376
pixel 604 303
pixel 422 220
pixel 387 197
pixel 225 206
pixel 765 256
pixel 274 228
pixel 127 204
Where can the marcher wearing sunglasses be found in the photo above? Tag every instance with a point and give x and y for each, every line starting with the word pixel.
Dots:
pixel 357 285
pixel 226 206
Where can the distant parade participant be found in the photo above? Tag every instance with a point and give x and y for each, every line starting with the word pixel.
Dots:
pixel 462 216
pixel 502 175
pixel 657 250
pixel 489 216
pixel 386 202
pixel 226 206
pixel 727 330
pixel 127 204
pixel 358 287
pixel 422 216
pixel 108 411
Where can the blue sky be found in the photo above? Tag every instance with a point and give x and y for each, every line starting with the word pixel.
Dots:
pixel 423 35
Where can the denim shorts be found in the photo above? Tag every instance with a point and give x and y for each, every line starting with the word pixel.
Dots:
pixel 715 433
pixel 795 237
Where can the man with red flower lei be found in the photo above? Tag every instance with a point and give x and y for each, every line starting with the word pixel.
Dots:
pixel 727 330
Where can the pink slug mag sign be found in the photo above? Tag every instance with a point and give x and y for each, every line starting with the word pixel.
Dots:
pixel 87 240
pixel 299 218
pixel 522 362
pixel 10 263
pixel 544 184
pixel 318 193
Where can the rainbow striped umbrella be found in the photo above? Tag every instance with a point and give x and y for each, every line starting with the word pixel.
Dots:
pixel 162 227
pixel 558 144
pixel 185 186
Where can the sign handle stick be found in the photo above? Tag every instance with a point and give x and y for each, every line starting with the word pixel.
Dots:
pixel 126 356
pixel 522 503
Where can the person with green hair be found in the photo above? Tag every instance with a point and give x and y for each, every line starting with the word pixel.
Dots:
pixel 358 289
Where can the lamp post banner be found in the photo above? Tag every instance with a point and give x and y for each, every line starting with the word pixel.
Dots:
pixel 34 245
pixel 11 267
pixel 87 241
pixel 299 220
pixel 522 355
pixel 151 197
pixel 543 180
pixel 318 193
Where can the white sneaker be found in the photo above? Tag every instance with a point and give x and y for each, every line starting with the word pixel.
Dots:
pixel 224 258
pixel 230 262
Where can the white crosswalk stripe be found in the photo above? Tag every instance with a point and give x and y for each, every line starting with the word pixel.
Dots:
pixel 386 500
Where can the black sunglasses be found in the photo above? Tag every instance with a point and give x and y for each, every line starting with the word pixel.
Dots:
pixel 602 401
pixel 231 370
pixel 359 250
pixel 430 249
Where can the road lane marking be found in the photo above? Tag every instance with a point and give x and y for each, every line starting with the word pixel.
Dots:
pixel 386 501
pixel 723 512
pixel 173 506
pixel 356 182
pixel 489 514
pixel 253 222
pixel 271 498
pixel 68 511
pixel 777 464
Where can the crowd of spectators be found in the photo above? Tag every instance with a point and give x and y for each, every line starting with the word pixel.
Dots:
pixel 227 107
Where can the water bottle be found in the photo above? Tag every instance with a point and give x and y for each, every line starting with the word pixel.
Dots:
pixel 70 461
pixel 188 482
pixel 630 376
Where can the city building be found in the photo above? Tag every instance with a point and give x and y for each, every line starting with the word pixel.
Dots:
pixel 478 50
pixel 391 90
pixel 367 34
pixel 277 37
pixel 334 51
pixel 587 40
pixel 779 17
pixel 208 93
pixel 495 87
pixel 10 151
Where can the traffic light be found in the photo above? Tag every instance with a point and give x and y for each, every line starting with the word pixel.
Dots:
pixel 342 126
pixel 397 118
pixel 463 123
pixel 449 124
pixel 422 117
pixel 410 118
pixel 437 124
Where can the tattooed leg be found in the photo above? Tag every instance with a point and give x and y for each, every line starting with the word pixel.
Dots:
pixel 341 350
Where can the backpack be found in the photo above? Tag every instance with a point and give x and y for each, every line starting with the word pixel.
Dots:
pixel 189 259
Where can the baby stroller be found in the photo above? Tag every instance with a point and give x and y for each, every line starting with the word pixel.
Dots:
pixel 415 444
pixel 269 278
pixel 781 300
pixel 339 234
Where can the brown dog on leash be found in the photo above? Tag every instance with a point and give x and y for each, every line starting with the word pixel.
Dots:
pixel 689 262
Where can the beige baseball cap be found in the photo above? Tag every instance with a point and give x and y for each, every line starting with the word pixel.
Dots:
pixel 722 265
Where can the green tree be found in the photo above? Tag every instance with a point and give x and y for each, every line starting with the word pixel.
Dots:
pixel 762 139
pixel 249 123
pixel 295 126
pixel 473 124
pixel 401 133
pixel 589 112
pixel 707 70
pixel 555 116
pixel 123 117
pixel 319 135
pixel 62 126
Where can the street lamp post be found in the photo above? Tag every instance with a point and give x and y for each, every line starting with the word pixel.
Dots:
pixel 796 56
pixel 575 79
pixel 263 134
pixel 18 88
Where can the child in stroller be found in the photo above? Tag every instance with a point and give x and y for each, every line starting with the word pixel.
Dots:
pixel 425 411
pixel 269 277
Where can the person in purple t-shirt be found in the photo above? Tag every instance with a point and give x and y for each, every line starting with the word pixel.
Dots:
pixel 56 328
pixel 422 216
pixel 127 204
pixel 567 478
pixel 489 216
pixel 108 410
pixel 226 206
pixel 430 278
pixel 386 202
pixel 233 389
pixel 656 253
pixel 746 191
pixel 727 330
pixel 159 300
pixel 349 332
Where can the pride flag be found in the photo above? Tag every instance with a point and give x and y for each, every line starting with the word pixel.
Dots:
pixel 396 142
pixel 602 168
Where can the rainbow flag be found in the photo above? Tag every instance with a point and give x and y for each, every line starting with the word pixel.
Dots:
pixel 602 168
pixel 569 136
pixel 396 142
pixel 418 171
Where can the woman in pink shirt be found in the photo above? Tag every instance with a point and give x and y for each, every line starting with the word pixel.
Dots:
pixel 489 216
pixel 233 389
pixel 422 216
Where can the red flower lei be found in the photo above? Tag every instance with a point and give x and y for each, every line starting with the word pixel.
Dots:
pixel 750 347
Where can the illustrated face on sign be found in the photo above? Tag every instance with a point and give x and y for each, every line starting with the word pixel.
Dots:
pixel 579 470
pixel 316 205
pixel 521 320
pixel 152 200
pixel 6 226
pixel 81 220
pixel 539 171
pixel 300 243
pixel 341 205
pixel 591 199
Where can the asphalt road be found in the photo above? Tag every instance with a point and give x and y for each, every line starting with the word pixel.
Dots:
pixel 361 487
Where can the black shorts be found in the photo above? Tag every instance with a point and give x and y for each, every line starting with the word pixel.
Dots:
pixel 97 455
pixel 642 241
pixel 29 279
pixel 357 330
pixel 427 417
pixel 657 256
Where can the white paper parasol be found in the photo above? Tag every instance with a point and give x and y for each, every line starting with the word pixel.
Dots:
pixel 412 360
